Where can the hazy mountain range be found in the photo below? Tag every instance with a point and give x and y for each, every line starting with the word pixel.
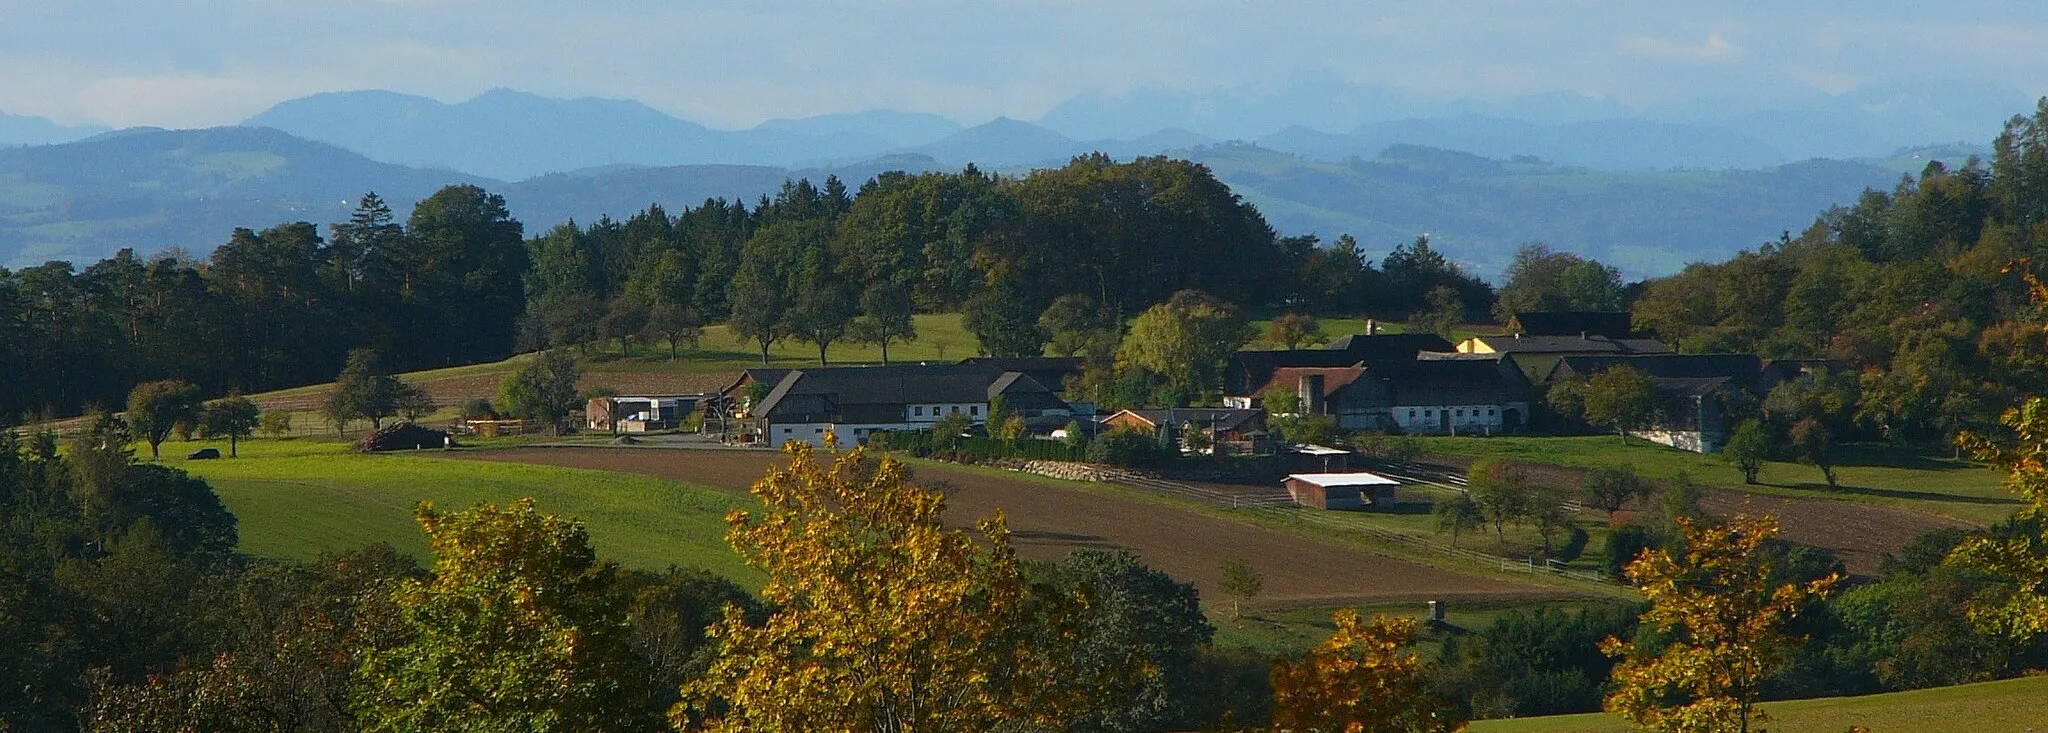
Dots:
pixel 1646 195
pixel 152 189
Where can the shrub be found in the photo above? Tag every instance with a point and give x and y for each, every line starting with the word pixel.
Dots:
pixel 1574 544
pixel 479 409
pixel 1124 447
pixel 1623 545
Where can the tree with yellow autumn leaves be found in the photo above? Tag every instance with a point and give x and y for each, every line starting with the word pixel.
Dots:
pixel 1713 602
pixel 886 619
pixel 2019 609
pixel 1363 679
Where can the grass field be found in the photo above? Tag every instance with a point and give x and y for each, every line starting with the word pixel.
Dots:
pixel 2017 705
pixel 298 498
pixel 1959 489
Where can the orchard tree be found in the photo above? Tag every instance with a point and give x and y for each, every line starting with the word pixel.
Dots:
pixel 1501 489
pixel 234 418
pixel 1723 623
pixel 543 389
pixel 1814 443
pixel 1003 321
pixel 885 317
pixel 1747 449
pixel 1609 488
pixel 1443 312
pixel 1458 515
pixel 520 627
pixel 1241 582
pixel 1363 679
pixel 1293 330
pixel 1620 397
pixel 822 315
pixel 674 324
pixel 623 320
pixel 885 618
pixel 155 409
pixel 365 390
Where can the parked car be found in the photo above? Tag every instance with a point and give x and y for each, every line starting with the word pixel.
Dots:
pixel 203 454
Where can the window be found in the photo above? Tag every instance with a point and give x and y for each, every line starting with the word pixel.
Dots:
pixel 1411 413
pixel 815 431
pixel 785 431
pixel 956 409
pixel 918 411
pixel 1461 412
pixel 974 409
pixel 1429 413
pixel 1489 412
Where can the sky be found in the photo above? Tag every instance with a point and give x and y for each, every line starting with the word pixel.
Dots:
pixel 734 64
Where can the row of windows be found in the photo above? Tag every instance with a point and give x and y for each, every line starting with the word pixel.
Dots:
pixel 1456 412
pixel 973 410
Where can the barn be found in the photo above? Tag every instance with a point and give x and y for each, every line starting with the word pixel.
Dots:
pixel 1356 490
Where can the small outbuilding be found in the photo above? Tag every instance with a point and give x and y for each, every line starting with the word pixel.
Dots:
pixel 1355 490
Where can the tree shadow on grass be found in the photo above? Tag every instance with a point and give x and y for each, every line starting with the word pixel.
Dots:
pixel 1894 493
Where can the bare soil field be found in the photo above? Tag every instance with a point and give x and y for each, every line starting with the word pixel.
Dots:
pixel 1048 521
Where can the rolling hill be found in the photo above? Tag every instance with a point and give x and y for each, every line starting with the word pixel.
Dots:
pixel 151 189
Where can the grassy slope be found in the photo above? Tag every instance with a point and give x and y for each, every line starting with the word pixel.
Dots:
pixel 299 498
pixel 1963 490
pixel 2008 705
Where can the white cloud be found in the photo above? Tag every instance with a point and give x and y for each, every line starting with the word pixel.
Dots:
pixel 1715 47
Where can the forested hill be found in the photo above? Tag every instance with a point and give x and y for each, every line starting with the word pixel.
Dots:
pixel 152 189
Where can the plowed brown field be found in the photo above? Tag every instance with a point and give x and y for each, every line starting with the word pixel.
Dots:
pixel 1048 521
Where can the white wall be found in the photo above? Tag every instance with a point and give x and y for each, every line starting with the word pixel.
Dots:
pixel 1464 418
pixel 975 411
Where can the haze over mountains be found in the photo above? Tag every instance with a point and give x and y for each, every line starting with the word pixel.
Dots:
pixel 1646 194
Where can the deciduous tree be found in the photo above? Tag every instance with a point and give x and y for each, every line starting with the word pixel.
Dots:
pixel 1501 489
pixel 674 324
pixel 1609 488
pixel 1186 340
pixel 1292 330
pixel 885 317
pixel 1620 397
pixel 157 408
pixel 1242 582
pixel 1724 624
pixel 1456 515
pixel 1363 679
pixel 521 627
pixel 543 389
pixel 885 620
pixel 2018 610
pixel 1747 449
pixel 233 417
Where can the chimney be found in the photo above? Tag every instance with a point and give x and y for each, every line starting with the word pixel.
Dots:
pixel 1372 327
pixel 1311 387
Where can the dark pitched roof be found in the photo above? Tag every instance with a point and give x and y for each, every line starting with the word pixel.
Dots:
pixel 1745 369
pixel 1051 371
pixel 1574 323
pixel 1223 418
pixel 1490 379
pixel 896 384
pixel 1573 344
pixel 767 375
pixel 1387 345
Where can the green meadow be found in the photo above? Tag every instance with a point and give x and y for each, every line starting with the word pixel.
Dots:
pixel 296 499
pixel 1871 474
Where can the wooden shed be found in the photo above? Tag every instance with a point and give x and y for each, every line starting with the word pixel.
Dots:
pixel 1355 490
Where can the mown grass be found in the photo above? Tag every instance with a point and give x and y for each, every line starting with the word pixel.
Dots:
pixel 2008 705
pixel 1870 474
pixel 1292 631
pixel 295 499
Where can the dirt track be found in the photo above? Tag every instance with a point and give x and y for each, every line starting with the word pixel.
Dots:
pixel 1048 521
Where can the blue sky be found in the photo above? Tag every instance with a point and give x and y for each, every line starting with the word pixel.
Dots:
pixel 733 64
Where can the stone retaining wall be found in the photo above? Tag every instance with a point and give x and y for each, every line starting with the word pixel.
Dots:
pixel 1062 469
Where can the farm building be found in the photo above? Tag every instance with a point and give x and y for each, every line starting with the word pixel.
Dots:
pixel 1241 431
pixel 641 413
pixel 1355 490
pixel 852 402
pixel 1536 355
pixel 1454 396
pixel 1248 372
pixel 1694 392
pixel 1612 324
